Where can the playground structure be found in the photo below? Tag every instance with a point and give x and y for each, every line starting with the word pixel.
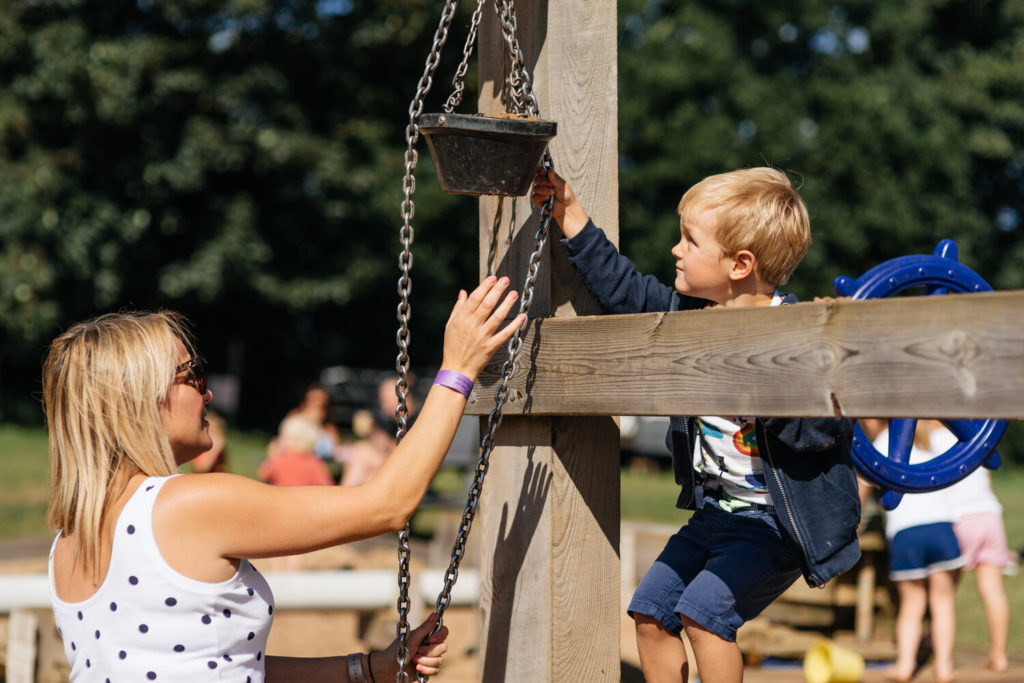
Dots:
pixel 549 514
pixel 939 274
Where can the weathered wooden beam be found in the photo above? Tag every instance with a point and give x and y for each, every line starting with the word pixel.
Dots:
pixel 960 355
pixel 549 514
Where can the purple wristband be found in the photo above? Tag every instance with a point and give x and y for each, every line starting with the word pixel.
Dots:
pixel 454 380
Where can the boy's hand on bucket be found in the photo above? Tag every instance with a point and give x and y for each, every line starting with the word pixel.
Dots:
pixel 567 210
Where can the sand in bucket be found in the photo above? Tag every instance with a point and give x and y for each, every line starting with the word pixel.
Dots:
pixel 827 662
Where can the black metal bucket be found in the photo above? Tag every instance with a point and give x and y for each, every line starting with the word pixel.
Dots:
pixel 485 155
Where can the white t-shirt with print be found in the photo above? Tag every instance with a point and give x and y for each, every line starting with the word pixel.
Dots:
pixel 727 455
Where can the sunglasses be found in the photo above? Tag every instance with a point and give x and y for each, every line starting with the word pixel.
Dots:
pixel 195 374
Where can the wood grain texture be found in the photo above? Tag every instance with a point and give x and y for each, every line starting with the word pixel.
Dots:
pixel 549 512
pixel 960 355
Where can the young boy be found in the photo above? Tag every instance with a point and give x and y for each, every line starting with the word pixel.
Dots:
pixel 774 498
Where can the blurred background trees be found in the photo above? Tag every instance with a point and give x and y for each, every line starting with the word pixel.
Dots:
pixel 241 160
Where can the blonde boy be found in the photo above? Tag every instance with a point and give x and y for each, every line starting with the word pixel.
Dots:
pixel 773 498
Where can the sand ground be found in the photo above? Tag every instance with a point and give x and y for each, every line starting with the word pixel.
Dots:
pixel 316 633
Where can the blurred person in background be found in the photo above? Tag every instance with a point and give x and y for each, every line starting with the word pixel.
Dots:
pixel 363 458
pixel 315 406
pixel 294 464
pixel 982 537
pixel 924 562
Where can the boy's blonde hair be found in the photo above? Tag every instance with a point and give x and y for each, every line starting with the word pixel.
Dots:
pixel 757 209
pixel 104 382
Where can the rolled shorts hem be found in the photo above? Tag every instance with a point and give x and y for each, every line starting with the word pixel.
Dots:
pixel 670 620
pixel 708 621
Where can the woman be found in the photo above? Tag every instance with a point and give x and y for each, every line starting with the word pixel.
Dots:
pixel 149 573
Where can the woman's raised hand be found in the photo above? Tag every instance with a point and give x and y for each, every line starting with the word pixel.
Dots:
pixel 474 330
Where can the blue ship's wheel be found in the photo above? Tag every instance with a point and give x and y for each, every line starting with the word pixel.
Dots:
pixel 939 273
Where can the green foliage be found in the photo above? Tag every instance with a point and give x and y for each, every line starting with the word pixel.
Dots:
pixel 241 160
pixel 238 160
pixel 900 122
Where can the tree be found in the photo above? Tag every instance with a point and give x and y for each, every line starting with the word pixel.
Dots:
pixel 241 160
pixel 238 160
pixel 901 123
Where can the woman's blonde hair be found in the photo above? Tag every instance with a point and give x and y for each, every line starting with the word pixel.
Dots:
pixel 104 382
pixel 757 209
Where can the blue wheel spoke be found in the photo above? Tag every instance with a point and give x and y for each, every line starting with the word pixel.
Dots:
pixel 901 439
pixel 963 430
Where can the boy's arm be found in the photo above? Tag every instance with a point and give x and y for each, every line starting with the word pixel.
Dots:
pixel 809 435
pixel 612 278
pixel 608 275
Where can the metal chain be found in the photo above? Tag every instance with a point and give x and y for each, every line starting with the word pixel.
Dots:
pixel 508 369
pixel 525 102
pixel 523 99
pixel 402 336
pixel 455 99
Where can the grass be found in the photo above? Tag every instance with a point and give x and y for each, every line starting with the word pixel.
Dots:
pixel 645 497
pixel 25 488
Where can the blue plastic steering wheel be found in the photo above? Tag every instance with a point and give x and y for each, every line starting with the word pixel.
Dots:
pixel 939 273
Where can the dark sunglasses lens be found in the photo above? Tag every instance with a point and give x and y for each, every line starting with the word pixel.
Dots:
pixel 197 374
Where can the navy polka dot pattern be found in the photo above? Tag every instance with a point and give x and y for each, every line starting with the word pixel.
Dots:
pixel 148 622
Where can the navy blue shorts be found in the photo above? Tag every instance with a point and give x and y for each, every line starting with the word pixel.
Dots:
pixel 720 570
pixel 917 551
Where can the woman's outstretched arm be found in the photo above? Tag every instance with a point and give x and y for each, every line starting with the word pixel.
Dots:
pixel 228 516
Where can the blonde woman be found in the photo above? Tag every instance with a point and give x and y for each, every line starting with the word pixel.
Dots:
pixel 149 573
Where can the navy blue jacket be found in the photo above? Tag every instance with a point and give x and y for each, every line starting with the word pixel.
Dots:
pixel 806 461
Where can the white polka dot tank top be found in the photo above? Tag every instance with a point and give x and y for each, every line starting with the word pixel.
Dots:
pixel 147 622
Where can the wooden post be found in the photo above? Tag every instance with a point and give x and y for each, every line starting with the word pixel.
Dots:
pixel 549 519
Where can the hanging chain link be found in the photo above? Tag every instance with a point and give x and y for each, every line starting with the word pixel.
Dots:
pixel 455 99
pixel 523 99
pixel 404 311
pixel 508 369
pixel 524 102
